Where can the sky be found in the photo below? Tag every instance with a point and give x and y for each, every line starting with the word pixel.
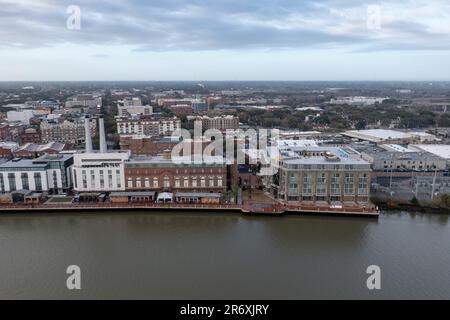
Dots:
pixel 200 40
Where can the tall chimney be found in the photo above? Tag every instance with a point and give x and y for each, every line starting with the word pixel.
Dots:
pixel 87 129
pixel 101 125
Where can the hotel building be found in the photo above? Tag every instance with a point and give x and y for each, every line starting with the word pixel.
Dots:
pixel 319 174
pixel 49 173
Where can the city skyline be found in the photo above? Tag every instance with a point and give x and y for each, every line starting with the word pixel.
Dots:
pixel 224 40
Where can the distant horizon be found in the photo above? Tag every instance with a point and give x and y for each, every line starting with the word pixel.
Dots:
pixel 201 81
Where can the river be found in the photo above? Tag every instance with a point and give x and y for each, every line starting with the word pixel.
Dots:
pixel 224 256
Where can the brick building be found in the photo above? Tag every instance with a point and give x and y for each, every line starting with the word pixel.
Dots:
pixel 163 174
pixel 30 135
pixel 221 123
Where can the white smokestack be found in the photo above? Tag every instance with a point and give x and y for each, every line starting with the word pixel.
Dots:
pixel 87 129
pixel 101 125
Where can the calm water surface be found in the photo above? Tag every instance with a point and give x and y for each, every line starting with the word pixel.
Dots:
pixel 223 256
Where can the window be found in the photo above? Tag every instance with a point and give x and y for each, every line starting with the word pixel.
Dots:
pixel 147 182
pixel 102 180
pixel 293 183
pixel 348 188
pixel 307 184
pixel 119 182
pixel 194 182
pixel 177 183
pixel 12 181
pixel 38 181
pixel 138 183
pixel 362 185
pixel 55 180
pixel 321 184
pixel 155 182
pixel 92 179
pixel 219 182
pixel 75 178
pixel 110 184
pixel 25 183
pixel 211 181
pixel 2 183
pixel 186 182
pixel 335 185
pixel 203 182
pixel 130 183
pixel 166 182
pixel 84 178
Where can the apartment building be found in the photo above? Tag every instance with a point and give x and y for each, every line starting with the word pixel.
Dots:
pixel 147 126
pixel 72 132
pixel 321 174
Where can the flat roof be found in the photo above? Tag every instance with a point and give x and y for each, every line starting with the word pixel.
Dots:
pixel 23 163
pixel 324 160
pixel 441 150
pixel 377 134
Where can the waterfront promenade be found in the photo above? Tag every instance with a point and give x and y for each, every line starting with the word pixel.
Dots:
pixel 248 207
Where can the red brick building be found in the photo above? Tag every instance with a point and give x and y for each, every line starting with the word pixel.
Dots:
pixel 162 174
pixel 30 135
pixel 182 110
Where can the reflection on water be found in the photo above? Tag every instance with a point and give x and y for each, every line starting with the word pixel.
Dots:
pixel 189 256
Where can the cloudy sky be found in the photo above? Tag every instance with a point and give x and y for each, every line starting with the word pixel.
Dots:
pixel 225 40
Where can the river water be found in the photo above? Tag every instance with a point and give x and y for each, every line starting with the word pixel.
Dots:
pixel 224 256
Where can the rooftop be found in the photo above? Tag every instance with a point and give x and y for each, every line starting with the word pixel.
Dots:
pixel 441 150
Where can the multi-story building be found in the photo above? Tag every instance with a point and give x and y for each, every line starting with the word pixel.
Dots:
pixel 72 132
pixel 7 149
pixel 98 171
pixel 407 161
pixel 128 110
pixel 84 100
pixel 49 173
pixel 131 102
pixel 221 123
pixel 164 174
pixel 147 126
pixel 181 109
pixel 30 135
pixel 320 174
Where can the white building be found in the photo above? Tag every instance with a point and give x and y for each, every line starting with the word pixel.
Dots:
pixel 44 174
pixel 96 171
pixel 20 116
pixel 126 110
pixel 153 127
pixel 383 136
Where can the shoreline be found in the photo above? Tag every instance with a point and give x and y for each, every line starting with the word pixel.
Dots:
pixel 243 210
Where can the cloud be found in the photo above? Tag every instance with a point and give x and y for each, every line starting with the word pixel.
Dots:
pixel 196 25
